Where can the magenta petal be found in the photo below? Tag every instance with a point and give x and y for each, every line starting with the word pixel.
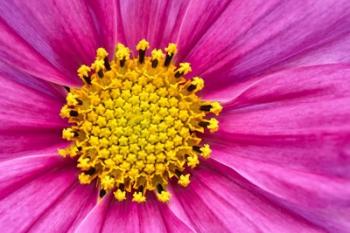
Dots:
pixel 107 17
pixel 27 202
pixel 17 172
pixel 16 52
pixel 298 118
pixel 94 220
pixel 235 205
pixel 173 222
pixel 126 219
pixel 133 217
pixel 304 101
pixel 335 51
pixel 151 219
pixel 288 133
pixel 62 33
pixel 157 21
pixel 66 214
pixel 251 38
pixel 199 18
pixel 313 196
pixel 24 106
pixel 111 216
pixel 29 112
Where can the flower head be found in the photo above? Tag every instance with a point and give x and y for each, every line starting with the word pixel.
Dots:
pixel 229 116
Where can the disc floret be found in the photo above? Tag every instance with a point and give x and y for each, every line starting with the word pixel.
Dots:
pixel 136 122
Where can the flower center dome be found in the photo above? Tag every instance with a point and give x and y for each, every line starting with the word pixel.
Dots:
pixel 136 123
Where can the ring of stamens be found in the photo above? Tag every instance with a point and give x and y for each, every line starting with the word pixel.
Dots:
pixel 136 122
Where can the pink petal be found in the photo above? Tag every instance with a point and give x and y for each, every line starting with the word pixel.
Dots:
pixel 66 214
pixel 106 13
pixel 250 38
pixel 151 219
pixel 63 34
pixel 111 216
pixel 157 21
pixel 16 52
pixel 298 118
pixel 29 112
pixel 219 200
pixel 38 190
pixel 172 222
pixel 336 51
pixel 25 105
pixel 304 101
pixel 312 196
pixel 288 133
pixel 126 219
pixel 94 220
pixel 199 18
pixel 17 172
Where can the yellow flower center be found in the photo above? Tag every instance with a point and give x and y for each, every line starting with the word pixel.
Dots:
pixel 137 123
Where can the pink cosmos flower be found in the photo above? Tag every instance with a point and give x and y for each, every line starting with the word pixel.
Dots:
pixel 280 161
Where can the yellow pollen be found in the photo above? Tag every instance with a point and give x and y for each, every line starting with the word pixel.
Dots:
pixel 120 195
pixel 184 180
pixel 136 123
pixel 101 53
pixel 157 54
pixel 171 49
pixel 142 45
pixel 83 71
pixel 164 196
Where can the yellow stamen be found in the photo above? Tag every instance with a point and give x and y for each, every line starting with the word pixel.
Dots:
pixel 171 49
pixel 101 53
pixel 134 125
pixel 206 151
pixel 142 45
pixel 184 180
pixel 157 54
pixel 83 71
pixel 122 52
pixel 164 196
pixel 138 197
pixel 216 108
pixel 120 195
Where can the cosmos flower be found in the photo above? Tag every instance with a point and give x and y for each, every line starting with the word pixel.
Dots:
pixel 279 161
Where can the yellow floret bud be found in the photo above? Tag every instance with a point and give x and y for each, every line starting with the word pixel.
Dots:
pixel 142 45
pixel 64 113
pixel 120 195
pixel 157 54
pixel 107 182
pixel 98 65
pixel 164 196
pixel 122 52
pixel 216 108
pixel 198 82
pixel 83 71
pixel 192 161
pixel 71 99
pixel 184 180
pixel 101 53
pixel 68 134
pixel 213 125
pixel 206 151
pixel 138 197
pixel 63 152
pixel 171 49
pixel 84 178
pixel 84 163
pixel 184 68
